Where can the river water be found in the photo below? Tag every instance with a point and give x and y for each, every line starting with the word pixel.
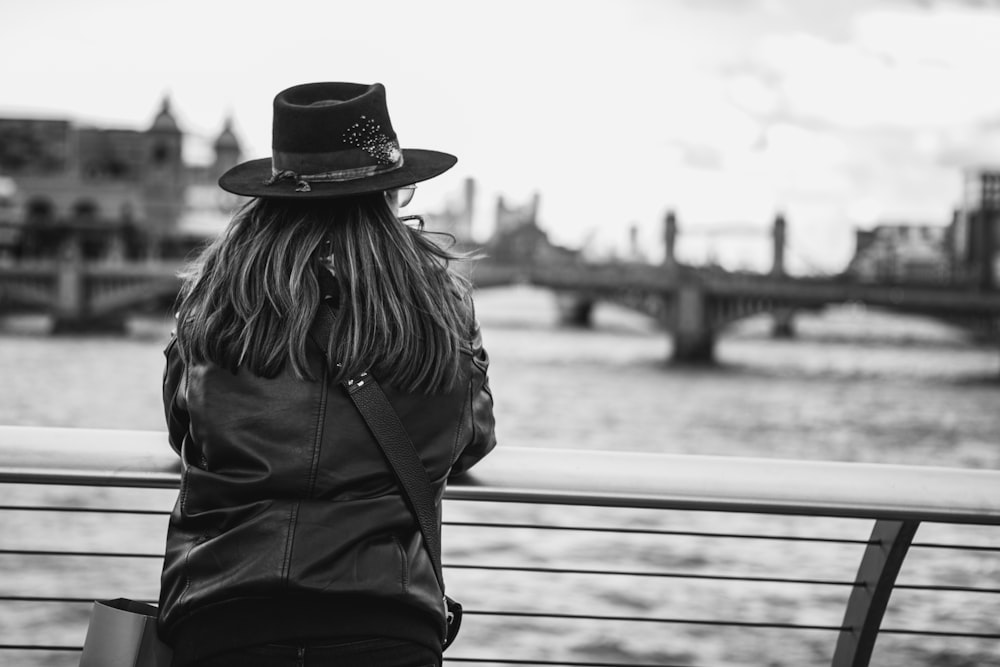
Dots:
pixel 854 385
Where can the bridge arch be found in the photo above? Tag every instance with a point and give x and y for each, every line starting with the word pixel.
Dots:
pixel 85 210
pixel 40 210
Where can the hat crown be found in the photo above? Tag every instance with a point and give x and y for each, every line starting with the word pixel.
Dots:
pixel 317 117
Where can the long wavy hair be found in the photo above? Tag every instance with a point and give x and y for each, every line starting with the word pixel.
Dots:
pixel 250 298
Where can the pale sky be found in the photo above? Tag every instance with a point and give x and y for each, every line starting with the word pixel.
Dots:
pixel 840 114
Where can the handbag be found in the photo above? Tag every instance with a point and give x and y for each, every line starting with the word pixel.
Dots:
pixel 122 633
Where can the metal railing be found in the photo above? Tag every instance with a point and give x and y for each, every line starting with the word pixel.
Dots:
pixel 542 543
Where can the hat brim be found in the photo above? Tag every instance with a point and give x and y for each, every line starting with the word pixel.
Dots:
pixel 250 178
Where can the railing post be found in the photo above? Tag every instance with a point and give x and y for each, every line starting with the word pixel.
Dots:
pixel 880 564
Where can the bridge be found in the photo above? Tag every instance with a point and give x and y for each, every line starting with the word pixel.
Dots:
pixel 693 304
pixel 696 305
pixel 83 295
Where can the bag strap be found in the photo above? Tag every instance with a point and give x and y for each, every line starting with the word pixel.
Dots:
pixel 395 443
pixel 392 437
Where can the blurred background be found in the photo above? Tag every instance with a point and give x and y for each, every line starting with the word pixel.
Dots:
pixel 759 228
pixel 842 115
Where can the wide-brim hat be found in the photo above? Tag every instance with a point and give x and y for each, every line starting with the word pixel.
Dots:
pixel 333 140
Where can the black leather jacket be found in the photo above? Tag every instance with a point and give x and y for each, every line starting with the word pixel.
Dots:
pixel 289 522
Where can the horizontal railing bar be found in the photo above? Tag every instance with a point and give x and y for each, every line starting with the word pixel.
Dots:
pixel 581 477
pixel 500 661
pixel 939 633
pixel 81 554
pixel 647 619
pixel 678 575
pixel 66 600
pixel 479 524
pixel 653 531
pixel 42 598
pixel 664 575
pixel 957 547
pixel 633 619
pixel 567 663
pixel 549 527
pixel 93 510
pixel 946 588
pixel 503 661
pixel 495 568
pixel 543 570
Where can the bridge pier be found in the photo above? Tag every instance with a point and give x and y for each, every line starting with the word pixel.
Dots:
pixel 693 337
pixel 70 309
pixel 783 323
pixel 69 282
pixel 104 325
pixel 575 309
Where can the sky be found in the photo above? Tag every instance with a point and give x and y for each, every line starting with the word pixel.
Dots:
pixel 838 115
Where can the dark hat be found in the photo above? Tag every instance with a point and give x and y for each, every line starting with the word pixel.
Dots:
pixel 333 140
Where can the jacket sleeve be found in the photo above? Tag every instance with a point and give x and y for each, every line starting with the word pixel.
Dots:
pixel 173 396
pixel 483 438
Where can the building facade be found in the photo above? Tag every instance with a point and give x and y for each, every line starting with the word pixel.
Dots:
pixel 965 252
pixel 119 190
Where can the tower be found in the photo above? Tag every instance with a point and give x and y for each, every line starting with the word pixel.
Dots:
pixel 163 180
pixel 469 206
pixel 227 149
pixel 778 238
pixel 670 239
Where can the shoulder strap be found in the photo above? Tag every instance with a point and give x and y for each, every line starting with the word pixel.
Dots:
pixel 397 447
pixel 395 443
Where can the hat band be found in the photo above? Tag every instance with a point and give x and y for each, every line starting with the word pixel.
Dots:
pixel 295 166
pixel 351 164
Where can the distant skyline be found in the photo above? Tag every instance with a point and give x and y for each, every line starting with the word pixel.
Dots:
pixel 837 114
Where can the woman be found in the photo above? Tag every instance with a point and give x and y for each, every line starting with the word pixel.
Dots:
pixel 291 542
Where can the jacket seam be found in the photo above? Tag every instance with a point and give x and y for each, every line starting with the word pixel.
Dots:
pixel 404 573
pixel 293 513
pixel 311 481
pixel 182 389
pixel 466 410
pixel 318 435
pixel 187 570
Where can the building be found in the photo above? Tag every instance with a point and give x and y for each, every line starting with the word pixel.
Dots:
pixel 518 238
pixel 976 230
pixel 455 216
pixel 117 190
pixel 965 252
pixel 902 253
